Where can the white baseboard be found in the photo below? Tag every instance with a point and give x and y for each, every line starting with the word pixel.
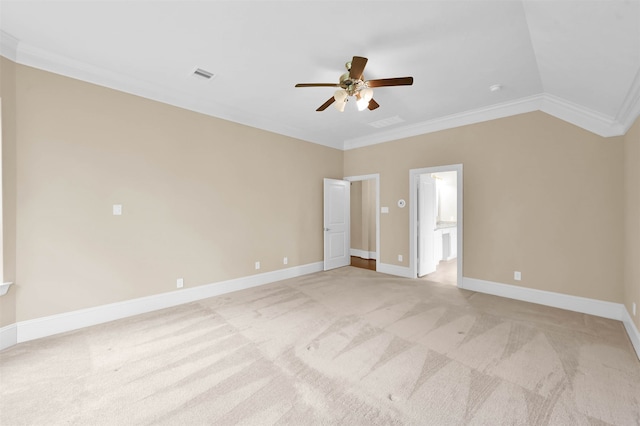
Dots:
pixel 400 271
pixel 68 321
pixel 599 308
pixel 46 326
pixel 363 254
pixel 4 288
pixel 583 305
pixel 8 336
pixel 632 331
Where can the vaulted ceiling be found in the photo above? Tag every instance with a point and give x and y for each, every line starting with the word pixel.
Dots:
pixel 576 60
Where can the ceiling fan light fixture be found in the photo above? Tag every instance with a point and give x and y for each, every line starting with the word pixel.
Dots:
pixel 361 103
pixel 341 100
pixel 340 96
pixel 367 94
pixel 340 105
pixel 363 97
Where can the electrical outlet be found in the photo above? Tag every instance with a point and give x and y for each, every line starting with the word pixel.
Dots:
pixel 180 282
pixel 285 260
pixel 257 265
pixel 517 275
pixel 117 209
pixel 399 258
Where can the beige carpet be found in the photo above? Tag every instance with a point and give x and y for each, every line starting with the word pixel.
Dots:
pixel 348 347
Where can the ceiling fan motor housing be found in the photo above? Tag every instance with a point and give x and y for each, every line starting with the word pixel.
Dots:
pixel 350 85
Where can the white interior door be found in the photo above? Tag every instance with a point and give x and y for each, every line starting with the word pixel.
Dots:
pixel 337 241
pixel 426 224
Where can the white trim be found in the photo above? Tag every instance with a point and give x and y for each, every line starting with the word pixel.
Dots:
pixel 33 56
pixel 387 268
pixel 580 116
pixel 68 321
pixel 630 109
pixel 4 288
pixel 413 216
pixel 26 54
pixel 8 46
pixel 492 112
pixel 585 118
pixel 632 331
pixel 376 178
pixel 363 253
pixel 8 336
pixel 583 305
pixel 598 308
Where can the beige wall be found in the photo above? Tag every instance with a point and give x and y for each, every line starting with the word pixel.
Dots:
pixel 203 198
pixel 8 96
pixel 369 215
pixel 356 215
pixel 363 215
pixel 632 220
pixel 558 188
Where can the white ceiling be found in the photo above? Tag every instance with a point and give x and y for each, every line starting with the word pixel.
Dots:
pixel 577 60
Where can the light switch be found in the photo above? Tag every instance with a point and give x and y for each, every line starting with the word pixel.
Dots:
pixel 117 209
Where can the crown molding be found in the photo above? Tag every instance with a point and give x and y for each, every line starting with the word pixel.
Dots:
pixel 580 116
pixel 630 110
pixel 29 55
pixel 505 109
pixel 563 109
pixel 8 46
pixel 36 57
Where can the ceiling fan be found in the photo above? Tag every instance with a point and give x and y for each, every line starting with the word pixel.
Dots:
pixel 352 83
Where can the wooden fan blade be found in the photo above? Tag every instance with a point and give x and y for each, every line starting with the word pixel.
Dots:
pixel 326 104
pixel 373 104
pixel 357 67
pixel 400 81
pixel 317 85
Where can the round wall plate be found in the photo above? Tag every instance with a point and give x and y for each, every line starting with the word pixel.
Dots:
pixel 402 203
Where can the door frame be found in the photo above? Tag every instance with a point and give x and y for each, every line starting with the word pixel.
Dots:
pixel 413 216
pixel 376 178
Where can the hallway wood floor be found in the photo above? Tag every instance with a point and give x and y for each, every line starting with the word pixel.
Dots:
pixel 359 262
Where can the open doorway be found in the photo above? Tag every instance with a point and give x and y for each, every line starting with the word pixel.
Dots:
pixel 436 224
pixel 365 229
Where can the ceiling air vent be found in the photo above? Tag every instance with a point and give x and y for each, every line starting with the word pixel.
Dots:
pixel 386 122
pixel 200 73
